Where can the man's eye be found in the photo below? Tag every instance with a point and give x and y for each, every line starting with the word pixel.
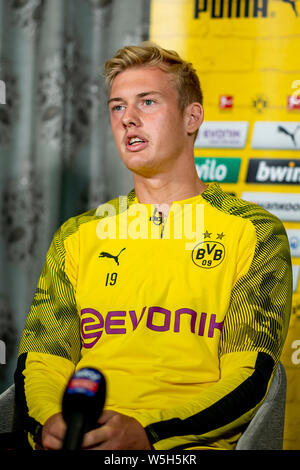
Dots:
pixel 148 102
pixel 118 107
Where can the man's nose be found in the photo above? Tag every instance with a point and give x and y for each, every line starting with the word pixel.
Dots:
pixel 130 117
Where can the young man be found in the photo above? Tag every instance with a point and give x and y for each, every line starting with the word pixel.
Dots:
pixel 187 331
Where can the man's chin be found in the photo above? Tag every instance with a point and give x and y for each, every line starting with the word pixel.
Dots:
pixel 139 166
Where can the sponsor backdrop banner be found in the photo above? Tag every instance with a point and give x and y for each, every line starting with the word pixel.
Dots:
pixel 247 55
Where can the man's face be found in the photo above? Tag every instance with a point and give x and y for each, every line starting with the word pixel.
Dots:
pixel 147 125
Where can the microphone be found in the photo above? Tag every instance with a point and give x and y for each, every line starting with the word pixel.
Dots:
pixel 82 404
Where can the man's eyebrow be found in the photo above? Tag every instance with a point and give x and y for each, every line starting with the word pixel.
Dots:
pixel 139 95
pixel 114 99
pixel 146 93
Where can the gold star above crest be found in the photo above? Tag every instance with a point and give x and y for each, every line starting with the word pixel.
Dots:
pixel 207 234
pixel 220 235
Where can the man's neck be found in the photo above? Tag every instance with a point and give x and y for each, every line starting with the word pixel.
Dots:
pixel 164 191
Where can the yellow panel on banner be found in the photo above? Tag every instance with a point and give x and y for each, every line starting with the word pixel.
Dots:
pixel 247 55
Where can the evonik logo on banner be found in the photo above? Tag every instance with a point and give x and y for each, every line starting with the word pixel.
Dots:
pixel 222 134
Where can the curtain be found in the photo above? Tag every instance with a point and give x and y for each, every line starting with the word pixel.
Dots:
pixel 57 155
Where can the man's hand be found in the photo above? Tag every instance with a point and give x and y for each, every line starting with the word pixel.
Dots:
pixel 53 432
pixel 117 432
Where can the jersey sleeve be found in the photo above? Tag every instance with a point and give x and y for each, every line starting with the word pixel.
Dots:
pixel 50 344
pixel 252 339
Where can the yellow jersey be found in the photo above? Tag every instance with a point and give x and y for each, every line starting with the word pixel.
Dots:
pixel 185 315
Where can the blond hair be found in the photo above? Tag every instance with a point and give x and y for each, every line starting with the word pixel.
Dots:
pixel 151 55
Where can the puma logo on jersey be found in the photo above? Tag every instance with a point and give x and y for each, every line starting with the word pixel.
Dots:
pixel 105 254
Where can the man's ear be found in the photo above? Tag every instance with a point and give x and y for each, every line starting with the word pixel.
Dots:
pixel 194 117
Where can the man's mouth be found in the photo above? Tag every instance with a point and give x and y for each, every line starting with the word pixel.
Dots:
pixel 136 143
pixel 135 140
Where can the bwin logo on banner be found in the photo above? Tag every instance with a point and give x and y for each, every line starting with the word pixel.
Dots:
pixel 273 171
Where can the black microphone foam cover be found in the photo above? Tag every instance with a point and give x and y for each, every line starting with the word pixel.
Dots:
pixel 82 404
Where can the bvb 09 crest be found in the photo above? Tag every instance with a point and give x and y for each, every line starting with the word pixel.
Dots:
pixel 208 254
